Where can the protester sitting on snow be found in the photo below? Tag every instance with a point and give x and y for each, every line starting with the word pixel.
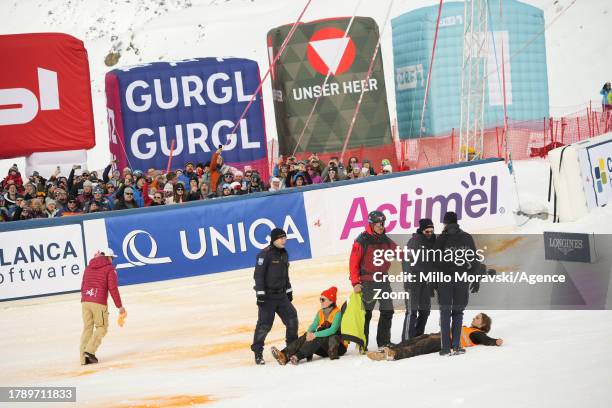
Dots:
pixel 322 337
pixel 430 343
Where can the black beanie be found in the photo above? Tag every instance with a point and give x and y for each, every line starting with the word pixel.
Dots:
pixel 425 223
pixel 276 234
pixel 450 218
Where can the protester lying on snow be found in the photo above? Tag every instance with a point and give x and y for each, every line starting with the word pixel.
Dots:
pixel 430 343
pixel 322 337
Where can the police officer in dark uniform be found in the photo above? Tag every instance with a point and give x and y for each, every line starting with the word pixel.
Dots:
pixel 453 296
pixel 362 276
pixel 274 293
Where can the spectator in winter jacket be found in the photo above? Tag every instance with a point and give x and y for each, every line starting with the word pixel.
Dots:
pixel 471 336
pixel 314 176
pixel 50 209
pixel 126 199
pixel 98 197
pixel 353 161
pixel 387 169
pixel 355 172
pixel 605 92
pixel 368 165
pixel 194 191
pixel 99 279
pixel 332 175
pixel 158 199
pixel 29 191
pixel 256 184
pixel 72 208
pixel 334 162
pixel 4 214
pixel 322 336
pixel 216 163
pixel 204 191
pixel 87 195
pixel 13 177
pixel 275 184
pixel 298 180
pixel 180 195
pixel 418 305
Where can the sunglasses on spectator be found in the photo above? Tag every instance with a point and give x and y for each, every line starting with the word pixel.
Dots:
pixel 180 189
pixel 157 197
pixel 71 202
pixel 386 171
pixel 129 194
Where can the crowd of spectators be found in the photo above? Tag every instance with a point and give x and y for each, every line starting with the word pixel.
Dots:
pixel 90 192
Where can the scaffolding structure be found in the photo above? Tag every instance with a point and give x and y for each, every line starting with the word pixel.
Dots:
pixel 473 76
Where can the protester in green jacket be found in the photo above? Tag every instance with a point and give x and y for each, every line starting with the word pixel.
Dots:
pixel 322 337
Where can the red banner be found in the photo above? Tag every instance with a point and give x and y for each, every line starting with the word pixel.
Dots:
pixel 45 95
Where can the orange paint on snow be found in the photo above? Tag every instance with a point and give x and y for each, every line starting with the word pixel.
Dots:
pixel 176 401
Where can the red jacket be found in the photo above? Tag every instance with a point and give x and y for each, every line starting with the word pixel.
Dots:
pixel 100 278
pixel 361 263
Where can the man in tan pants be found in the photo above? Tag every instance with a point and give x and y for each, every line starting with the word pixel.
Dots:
pixel 99 279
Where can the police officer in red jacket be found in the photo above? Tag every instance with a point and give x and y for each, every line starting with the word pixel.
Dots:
pixel 362 270
pixel 99 279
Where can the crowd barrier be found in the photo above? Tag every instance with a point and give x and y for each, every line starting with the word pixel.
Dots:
pixel 42 257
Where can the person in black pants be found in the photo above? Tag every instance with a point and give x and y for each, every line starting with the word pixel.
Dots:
pixel 322 337
pixel 274 293
pixel 369 279
pixel 471 336
pixel 418 304
pixel 453 296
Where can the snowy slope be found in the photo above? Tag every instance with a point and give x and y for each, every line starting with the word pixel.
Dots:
pixel 152 30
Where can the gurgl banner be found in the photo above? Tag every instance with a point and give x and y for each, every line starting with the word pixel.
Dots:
pixel 315 49
pixel 45 95
pixel 188 108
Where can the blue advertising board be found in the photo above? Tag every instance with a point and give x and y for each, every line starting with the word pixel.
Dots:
pixel 222 236
pixel 188 107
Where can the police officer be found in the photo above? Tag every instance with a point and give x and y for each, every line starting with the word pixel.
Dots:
pixel 362 271
pixel 453 296
pixel 274 293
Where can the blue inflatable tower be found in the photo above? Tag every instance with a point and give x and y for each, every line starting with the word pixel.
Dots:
pixel 520 32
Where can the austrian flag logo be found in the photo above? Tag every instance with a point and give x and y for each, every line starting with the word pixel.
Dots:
pixel 330 51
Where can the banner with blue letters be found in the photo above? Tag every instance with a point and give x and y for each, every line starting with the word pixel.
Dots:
pixel 203 239
pixel 186 109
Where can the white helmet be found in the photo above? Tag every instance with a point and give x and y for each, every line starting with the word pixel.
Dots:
pixel 107 252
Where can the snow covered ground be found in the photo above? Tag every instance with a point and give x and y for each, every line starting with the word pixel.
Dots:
pixel 153 30
pixel 186 343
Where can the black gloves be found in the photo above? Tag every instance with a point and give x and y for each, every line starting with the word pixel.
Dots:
pixel 474 287
pixel 261 299
pixel 290 296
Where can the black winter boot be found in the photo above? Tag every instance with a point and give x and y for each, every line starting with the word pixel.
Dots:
pixel 259 360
